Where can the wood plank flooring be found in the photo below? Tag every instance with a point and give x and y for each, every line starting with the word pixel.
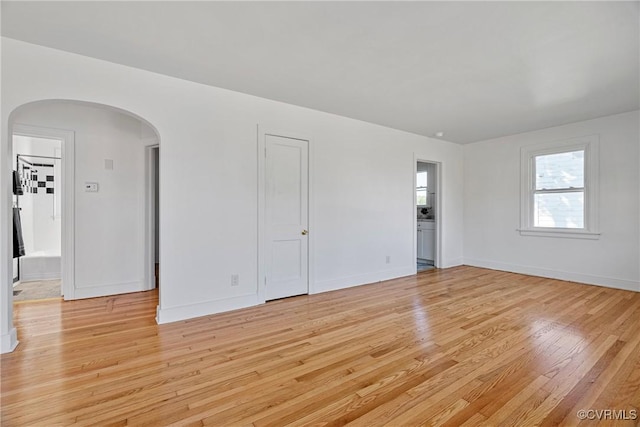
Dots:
pixel 462 346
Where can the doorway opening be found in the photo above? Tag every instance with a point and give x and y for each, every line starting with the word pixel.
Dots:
pixel 103 227
pixel 37 196
pixel 152 190
pixel 427 215
pixel 102 212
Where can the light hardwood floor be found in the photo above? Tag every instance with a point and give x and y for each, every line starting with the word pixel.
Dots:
pixel 462 346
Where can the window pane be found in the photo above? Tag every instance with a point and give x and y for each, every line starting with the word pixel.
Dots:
pixel 560 170
pixel 559 210
pixel 421 197
pixel 421 180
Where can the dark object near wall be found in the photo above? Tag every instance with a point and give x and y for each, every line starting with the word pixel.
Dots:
pixel 18 242
pixel 17 186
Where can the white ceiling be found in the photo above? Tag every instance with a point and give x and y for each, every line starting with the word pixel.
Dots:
pixel 475 70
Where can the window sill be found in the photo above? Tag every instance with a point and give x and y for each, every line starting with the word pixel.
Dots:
pixel 562 233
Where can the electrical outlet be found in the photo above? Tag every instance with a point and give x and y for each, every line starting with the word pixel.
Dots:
pixel 235 280
pixel 388 259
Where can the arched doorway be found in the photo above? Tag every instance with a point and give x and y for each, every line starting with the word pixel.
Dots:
pixel 108 204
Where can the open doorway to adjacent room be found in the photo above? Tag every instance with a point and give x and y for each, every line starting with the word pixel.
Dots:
pixel 427 217
pixel 86 185
pixel 153 214
pixel 37 214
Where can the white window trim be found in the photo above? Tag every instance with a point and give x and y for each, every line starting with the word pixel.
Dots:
pixel 590 145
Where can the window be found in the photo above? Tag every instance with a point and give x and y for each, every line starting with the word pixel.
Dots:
pixel 421 189
pixel 559 189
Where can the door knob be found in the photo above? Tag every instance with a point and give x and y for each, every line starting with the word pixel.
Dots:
pixel 305 232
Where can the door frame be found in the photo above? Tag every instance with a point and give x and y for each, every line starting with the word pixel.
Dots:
pixel 262 133
pixel 67 250
pixel 150 183
pixel 437 259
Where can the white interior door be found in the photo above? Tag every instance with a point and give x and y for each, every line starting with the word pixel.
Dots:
pixel 286 217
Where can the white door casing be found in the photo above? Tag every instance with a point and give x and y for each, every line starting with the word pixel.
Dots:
pixel 67 250
pixel 286 218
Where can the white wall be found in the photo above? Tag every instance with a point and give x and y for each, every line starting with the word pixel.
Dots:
pixel 362 178
pixel 492 208
pixel 432 186
pixel 109 224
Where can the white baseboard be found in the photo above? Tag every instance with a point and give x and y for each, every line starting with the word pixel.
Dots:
pixel 451 263
pixel 9 341
pixel 174 314
pixel 49 275
pixel 109 289
pixel 183 312
pixel 361 279
pixel 609 282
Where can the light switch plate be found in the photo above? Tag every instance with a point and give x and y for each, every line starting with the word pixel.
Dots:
pixel 91 187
